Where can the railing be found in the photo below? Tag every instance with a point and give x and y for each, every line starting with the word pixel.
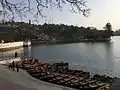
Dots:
pixel 7 61
pixel 6 58
pixel 12 44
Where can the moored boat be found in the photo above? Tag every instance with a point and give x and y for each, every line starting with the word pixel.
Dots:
pixel 77 79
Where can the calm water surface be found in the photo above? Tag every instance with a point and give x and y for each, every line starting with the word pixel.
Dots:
pixel 100 58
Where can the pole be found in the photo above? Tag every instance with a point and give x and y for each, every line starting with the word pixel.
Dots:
pixel 2 55
pixel 4 12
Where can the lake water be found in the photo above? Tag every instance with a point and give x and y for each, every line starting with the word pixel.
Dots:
pixel 101 58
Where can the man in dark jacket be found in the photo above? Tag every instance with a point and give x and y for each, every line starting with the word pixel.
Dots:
pixel 17 66
pixel 13 65
pixel 16 54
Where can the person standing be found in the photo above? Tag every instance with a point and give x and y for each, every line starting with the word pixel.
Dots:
pixel 16 54
pixel 10 66
pixel 17 66
pixel 13 65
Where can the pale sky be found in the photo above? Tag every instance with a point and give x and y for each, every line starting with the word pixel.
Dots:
pixel 103 11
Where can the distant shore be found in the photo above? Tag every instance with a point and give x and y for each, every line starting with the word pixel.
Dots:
pixel 34 42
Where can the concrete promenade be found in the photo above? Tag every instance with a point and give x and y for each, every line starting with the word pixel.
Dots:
pixel 115 85
pixel 11 80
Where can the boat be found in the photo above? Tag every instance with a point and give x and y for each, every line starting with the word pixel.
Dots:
pixel 13 45
pixel 26 43
pixel 77 79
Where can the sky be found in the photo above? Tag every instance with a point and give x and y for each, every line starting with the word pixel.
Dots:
pixel 102 12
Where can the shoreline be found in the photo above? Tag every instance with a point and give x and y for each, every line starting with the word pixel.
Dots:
pixel 38 42
pixel 65 77
pixel 35 42
pixel 76 79
pixel 23 81
pixel 6 62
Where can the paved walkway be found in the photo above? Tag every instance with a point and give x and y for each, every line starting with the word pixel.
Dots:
pixel 115 85
pixel 11 80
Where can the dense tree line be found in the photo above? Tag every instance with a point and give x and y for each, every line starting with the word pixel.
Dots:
pixel 15 31
pixel 75 32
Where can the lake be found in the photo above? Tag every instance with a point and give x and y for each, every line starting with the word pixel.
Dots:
pixel 98 58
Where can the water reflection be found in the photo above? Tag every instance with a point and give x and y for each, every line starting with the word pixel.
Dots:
pixel 93 57
pixel 100 58
pixel 110 68
pixel 27 52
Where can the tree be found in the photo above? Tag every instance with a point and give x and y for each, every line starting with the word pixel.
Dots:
pixel 11 8
pixel 108 27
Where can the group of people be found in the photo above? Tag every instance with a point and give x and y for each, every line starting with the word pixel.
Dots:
pixel 14 65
